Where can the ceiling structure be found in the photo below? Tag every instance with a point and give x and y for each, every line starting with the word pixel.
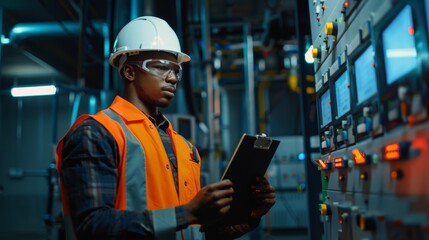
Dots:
pixel 47 42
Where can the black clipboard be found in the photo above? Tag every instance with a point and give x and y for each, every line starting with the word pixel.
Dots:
pixel 251 159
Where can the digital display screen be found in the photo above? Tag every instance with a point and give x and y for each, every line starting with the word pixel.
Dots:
pixel 399 47
pixel 325 108
pixel 342 94
pixel 366 82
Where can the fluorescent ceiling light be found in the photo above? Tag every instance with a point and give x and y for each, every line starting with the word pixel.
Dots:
pixel 33 91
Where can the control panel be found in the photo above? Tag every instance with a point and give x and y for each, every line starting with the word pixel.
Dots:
pixel 371 78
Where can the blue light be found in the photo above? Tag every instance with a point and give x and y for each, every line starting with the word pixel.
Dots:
pixel 301 156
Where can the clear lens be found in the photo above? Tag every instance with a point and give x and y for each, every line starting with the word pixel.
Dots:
pixel 161 68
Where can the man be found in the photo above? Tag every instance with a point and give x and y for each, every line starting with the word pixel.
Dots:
pixel 125 173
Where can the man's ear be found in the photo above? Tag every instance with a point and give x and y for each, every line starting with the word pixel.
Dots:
pixel 128 72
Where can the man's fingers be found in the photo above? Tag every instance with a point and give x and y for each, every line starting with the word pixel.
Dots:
pixel 221 185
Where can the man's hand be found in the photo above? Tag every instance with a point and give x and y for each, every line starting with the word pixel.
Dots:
pixel 210 204
pixel 264 195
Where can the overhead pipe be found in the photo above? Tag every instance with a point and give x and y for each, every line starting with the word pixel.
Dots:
pixel 23 31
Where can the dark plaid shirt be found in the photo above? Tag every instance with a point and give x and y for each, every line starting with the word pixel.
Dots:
pixel 90 173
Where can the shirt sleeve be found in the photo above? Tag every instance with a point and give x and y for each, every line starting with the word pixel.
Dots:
pixel 90 175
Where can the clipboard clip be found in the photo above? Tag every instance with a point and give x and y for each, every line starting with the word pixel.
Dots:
pixel 262 142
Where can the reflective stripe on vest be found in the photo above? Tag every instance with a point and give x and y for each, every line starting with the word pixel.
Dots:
pixel 134 166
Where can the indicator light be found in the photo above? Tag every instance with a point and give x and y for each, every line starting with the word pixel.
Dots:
pixel 397 174
pixel 339 162
pixel 396 151
pixel 322 164
pixel 359 157
pixel 363 176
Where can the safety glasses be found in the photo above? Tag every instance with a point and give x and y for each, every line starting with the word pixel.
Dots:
pixel 160 67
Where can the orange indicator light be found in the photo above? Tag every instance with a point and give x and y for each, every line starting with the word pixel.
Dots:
pixel 338 162
pixel 358 156
pixel 392 152
pixel 322 163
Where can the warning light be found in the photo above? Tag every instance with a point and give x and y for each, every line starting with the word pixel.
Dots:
pixel 339 162
pixel 322 163
pixel 396 174
pixel 411 30
pixel 346 4
pixel 359 156
pixel 363 176
pixel 396 151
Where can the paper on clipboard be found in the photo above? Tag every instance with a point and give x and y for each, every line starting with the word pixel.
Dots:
pixel 251 159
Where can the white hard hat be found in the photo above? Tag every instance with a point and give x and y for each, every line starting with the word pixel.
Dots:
pixel 146 33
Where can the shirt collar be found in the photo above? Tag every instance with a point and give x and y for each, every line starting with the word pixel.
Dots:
pixel 131 113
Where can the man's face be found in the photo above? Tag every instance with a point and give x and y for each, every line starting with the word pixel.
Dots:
pixel 152 88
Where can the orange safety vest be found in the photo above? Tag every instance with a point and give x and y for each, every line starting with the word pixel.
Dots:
pixel 142 151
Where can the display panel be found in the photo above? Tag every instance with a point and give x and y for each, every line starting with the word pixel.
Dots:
pixel 342 94
pixel 399 47
pixel 325 108
pixel 365 76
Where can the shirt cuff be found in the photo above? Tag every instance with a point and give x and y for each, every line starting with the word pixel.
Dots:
pixel 180 218
pixel 164 223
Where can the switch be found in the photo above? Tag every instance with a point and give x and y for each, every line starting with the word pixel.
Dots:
pixel 368 119
pixel 327 139
pixel 318 10
pixel 366 222
pixel 315 52
pixel 331 28
pixel 345 134
pixel 324 209
pixel 404 106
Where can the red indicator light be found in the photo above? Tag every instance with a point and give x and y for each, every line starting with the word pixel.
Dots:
pixel 372 65
pixel 392 152
pixel 359 156
pixel 411 30
pixel 346 4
